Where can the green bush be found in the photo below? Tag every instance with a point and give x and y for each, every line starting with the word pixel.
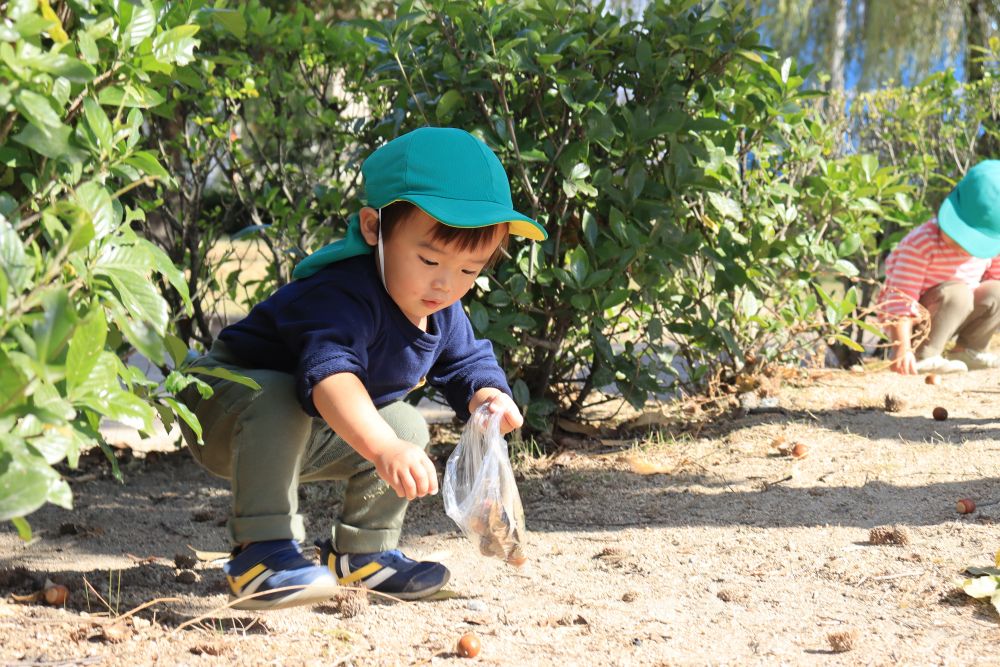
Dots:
pixel 79 288
pixel 682 169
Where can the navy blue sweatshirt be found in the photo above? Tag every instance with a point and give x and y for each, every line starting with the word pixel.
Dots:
pixel 341 320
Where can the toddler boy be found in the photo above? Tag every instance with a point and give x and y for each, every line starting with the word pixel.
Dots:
pixel 366 320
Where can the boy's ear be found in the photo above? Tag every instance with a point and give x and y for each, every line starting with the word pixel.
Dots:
pixel 369 225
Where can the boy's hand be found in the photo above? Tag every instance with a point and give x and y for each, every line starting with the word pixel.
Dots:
pixel 499 403
pixel 407 469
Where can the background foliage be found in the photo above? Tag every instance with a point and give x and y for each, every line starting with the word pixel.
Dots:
pixel 166 164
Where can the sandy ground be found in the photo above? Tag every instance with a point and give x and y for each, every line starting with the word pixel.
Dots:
pixel 733 554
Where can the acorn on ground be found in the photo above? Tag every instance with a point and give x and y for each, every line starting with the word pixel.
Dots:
pixel 55 594
pixel 468 646
pixel 965 506
pixel 940 414
pixel 932 378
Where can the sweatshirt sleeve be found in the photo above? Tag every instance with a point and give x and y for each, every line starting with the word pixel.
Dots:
pixel 329 330
pixel 465 366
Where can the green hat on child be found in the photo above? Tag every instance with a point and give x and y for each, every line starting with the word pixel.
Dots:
pixel 971 213
pixel 449 174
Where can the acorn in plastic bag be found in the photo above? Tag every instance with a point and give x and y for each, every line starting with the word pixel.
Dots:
pixel 480 494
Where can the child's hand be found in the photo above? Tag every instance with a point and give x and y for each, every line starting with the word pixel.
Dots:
pixel 905 363
pixel 499 403
pixel 407 469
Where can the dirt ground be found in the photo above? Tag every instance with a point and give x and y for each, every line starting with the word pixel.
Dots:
pixel 730 554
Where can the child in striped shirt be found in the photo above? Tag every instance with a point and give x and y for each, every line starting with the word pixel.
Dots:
pixel 951 267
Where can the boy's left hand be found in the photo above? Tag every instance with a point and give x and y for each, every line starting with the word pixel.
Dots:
pixel 499 403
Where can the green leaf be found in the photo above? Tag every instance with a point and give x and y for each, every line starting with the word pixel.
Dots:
pixel 99 124
pixel 869 165
pixel 60 64
pixel 53 143
pixel 27 482
pixel 231 20
pixel 225 374
pixel 448 104
pixel 185 413
pixel 522 396
pixel 147 163
pixel 578 264
pixel 166 267
pixel 635 181
pixel 131 410
pixel 707 124
pixel 38 110
pixel 478 316
pixel 139 297
pixel 140 26
pixel 726 206
pixel 96 201
pixel 750 55
pixel 138 333
pixel 134 95
pixel 849 342
pixel 176 46
pixel 13 258
pixel 589 224
pixel 981 587
pixel 845 267
pixel 85 347
pixel 88 47
pixel 92 388
pixel 52 330
pixel 23 528
pixel 176 349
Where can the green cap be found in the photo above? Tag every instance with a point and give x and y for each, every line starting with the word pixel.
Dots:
pixel 451 175
pixel 971 213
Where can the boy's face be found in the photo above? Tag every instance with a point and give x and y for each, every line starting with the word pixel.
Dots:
pixel 422 275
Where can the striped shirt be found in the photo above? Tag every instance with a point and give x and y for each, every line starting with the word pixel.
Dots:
pixel 922 260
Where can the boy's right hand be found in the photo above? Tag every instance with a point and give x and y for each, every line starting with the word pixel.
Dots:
pixel 407 469
pixel 905 363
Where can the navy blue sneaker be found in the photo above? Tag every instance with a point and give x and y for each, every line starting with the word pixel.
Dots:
pixel 388 572
pixel 273 565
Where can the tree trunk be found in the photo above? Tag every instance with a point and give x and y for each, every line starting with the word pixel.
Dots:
pixel 838 45
pixel 975 31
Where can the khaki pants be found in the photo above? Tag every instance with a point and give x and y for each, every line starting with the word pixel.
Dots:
pixel 264 442
pixel 957 309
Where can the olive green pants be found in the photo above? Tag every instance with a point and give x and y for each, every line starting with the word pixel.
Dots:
pixel 957 309
pixel 265 443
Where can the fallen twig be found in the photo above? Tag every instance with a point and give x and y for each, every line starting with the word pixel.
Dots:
pixel 229 604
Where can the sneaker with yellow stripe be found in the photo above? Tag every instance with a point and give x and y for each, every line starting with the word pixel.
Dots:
pixel 388 572
pixel 274 575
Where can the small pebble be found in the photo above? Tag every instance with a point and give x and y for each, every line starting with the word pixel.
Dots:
pixel 475 605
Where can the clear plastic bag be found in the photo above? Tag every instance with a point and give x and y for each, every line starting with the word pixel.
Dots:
pixel 480 494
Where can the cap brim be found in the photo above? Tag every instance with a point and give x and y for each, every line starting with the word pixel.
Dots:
pixel 471 214
pixel 971 239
